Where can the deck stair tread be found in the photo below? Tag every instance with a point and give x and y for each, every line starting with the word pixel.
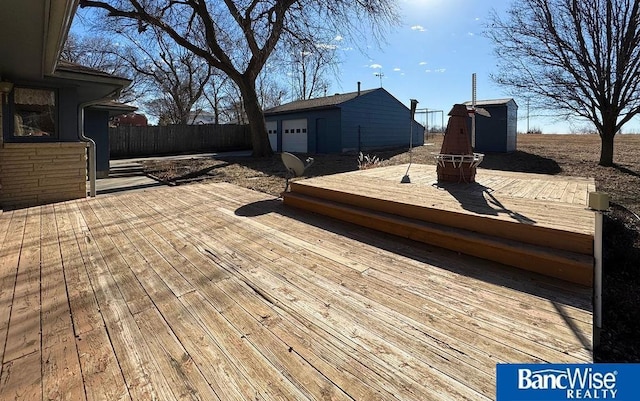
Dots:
pixel 560 253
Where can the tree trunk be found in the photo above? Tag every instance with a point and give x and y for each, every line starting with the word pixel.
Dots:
pixel 606 149
pixel 257 126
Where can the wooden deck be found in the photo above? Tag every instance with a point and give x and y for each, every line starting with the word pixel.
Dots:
pixel 215 292
pixel 531 221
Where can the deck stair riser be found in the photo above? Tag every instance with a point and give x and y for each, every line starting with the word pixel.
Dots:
pixel 511 230
pixel 501 243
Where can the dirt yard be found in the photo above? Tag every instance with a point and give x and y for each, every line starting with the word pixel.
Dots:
pixel 575 155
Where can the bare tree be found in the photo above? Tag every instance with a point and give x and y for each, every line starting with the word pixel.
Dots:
pixel 215 94
pixel 237 37
pixel 101 53
pixel 311 63
pixel 581 57
pixel 178 76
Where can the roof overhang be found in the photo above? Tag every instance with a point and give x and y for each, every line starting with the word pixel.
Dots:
pixel 114 108
pixel 90 84
pixel 32 34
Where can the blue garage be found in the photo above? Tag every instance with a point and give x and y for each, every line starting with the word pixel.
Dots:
pixel 355 121
pixel 499 132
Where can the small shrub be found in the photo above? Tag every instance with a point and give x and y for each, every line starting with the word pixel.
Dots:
pixel 366 162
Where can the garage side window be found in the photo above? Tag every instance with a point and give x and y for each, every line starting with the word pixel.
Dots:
pixel 34 113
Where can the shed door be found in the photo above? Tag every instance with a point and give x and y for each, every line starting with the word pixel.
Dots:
pixel 272 130
pixel 294 136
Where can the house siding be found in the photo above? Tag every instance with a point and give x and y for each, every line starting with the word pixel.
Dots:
pixel 377 120
pixel 96 127
pixel 38 173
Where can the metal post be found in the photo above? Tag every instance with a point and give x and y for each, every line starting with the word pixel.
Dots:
pixel 473 107
pixel 598 202
pixel 414 103
pixel 597 281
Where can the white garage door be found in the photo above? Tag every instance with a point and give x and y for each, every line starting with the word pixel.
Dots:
pixel 294 136
pixel 272 130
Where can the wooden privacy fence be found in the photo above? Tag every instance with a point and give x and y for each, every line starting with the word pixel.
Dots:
pixel 130 141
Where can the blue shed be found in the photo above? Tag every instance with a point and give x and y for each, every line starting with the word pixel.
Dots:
pixel 361 120
pixel 499 132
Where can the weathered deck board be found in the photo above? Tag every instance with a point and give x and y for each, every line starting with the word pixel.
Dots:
pixel 314 305
pixel 212 291
pixel 62 378
pixel 9 257
pixel 540 207
pixel 23 336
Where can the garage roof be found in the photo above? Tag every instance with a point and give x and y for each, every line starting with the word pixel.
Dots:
pixel 326 102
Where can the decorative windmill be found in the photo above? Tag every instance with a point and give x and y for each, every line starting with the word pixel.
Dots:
pixel 473 110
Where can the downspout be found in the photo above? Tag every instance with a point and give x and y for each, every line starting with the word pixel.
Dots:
pixel 89 141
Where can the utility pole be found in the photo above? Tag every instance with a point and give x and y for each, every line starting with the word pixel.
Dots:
pixel 528 116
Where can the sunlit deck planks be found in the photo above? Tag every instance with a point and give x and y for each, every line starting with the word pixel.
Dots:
pixel 531 221
pixel 556 202
pixel 211 291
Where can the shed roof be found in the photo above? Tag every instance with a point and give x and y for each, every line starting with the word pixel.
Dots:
pixel 491 102
pixel 325 102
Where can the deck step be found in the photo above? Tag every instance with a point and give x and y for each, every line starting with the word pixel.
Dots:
pixel 514 228
pixel 567 265
pixel 127 170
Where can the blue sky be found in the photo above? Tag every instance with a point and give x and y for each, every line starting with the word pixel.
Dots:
pixel 431 57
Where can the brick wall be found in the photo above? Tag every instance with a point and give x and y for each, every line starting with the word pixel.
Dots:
pixel 38 173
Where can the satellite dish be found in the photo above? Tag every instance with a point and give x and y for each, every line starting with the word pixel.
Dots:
pixel 295 167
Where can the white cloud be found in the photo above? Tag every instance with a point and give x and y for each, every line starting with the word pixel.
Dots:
pixel 438 70
pixel 423 63
pixel 326 46
pixel 375 66
pixel 477 19
pixel 470 34
pixel 418 28
pixel 427 71
pixel 338 38
pixel 397 69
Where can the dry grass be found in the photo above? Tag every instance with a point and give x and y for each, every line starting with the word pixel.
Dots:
pixel 575 155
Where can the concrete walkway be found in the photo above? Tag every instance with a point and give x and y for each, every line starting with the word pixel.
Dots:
pixel 127 175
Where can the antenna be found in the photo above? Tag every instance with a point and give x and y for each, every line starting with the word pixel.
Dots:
pixel 379 75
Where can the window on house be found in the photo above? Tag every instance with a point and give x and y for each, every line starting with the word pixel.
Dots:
pixel 34 113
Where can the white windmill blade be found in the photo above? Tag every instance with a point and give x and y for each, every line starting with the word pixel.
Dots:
pixel 482 112
pixel 479 110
